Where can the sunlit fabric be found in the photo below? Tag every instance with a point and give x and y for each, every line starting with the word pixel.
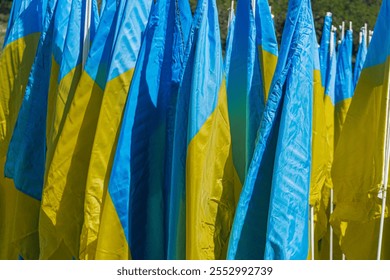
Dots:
pixel 278 179
pixel 203 176
pixel 344 84
pixel 360 59
pixel 18 208
pixel 139 183
pixel 130 25
pixel 358 168
pixel 325 48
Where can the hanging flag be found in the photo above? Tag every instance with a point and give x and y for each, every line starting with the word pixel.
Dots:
pixel 130 24
pixel 360 58
pixel 140 174
pixel 202 198
pixel 344 83
pixel 324 47
pixel 358 169
pixel 267 44
pixel 321 157
pixel 73 152
pixel 66 175
pixel 252 63
pixel 18 211
pixel 272 215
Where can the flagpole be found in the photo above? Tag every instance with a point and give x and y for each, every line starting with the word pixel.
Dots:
pixel 366 33
pixel 385 173
pixel 230 14
pixel 370 36
pixel 254 8
pixel 332 47
pixel 87 27
pixel 312 231
pixel 361 35
pixel 342 30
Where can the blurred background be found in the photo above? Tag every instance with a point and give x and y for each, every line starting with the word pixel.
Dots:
pixel 357 11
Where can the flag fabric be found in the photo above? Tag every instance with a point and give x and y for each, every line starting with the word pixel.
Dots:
pixel 252 62
pixel 202 198
pixel 360 58
pixel 321 154
pixel 139 180
pixel 344 83
pixel 129 28
pixel 229 43
pixel 358 169
pixel 18 210
pixel 266 43
pixel 73 152
pixel 325 47
pixel 272 215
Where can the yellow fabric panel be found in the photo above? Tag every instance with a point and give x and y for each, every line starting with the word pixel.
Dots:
pixel 19 214
pixel 51 98
pixel 15 65
pixel 358 179
pixel 268 63
pixel 111 243
pixel 8 196
pixel 340 113
pixel 58 107
pixel 67 175
pixel 210 186
pixel 103 152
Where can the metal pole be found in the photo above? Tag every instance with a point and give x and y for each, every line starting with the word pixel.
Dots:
pixel 87 30
pixel 254 8
pixel 385 173
pixel 312 231
pixel 231 13
pixel 370 36
pixel 361 35
pixel 366 33
pixel 342 30
pixel 350 25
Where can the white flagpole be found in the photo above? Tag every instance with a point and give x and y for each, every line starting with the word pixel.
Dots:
pixel 254 8
pixel 312 231
pixel 370 36
pixel 361 36
pixel 385 173
pixel 342 30
pixel 366 33
pixel 87 31
pixel 231 14
pixel 332 45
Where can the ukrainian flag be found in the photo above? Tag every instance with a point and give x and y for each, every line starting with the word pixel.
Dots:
pixel 252 63
pixel 360 58
pixel 18 210
pixel 67 172
pixel 344 84
pixel 324 47
pixel 358 168
pixel 140 174
pixel 129 28
pixel 67 39
pixel 203 182
pixel 267 44
pixel 272 215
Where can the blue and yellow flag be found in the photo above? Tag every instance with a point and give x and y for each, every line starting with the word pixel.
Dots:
pixel 360 58
pixel 358 169
pixel 140 175
pixel 272 215
pixel 344 83
pixel 252 63
pixel 130 25
pixel 18 210
pixel 202 199
pixel 72 152
pixel 324 47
